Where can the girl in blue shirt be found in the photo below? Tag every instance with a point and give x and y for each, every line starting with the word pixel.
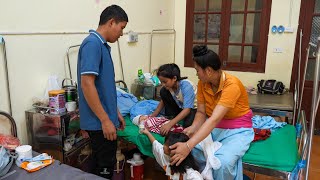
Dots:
pixel 178 97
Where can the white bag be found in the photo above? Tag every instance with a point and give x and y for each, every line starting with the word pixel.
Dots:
pixel 53 84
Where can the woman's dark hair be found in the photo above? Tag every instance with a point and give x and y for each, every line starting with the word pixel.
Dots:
pixel 189 161
pixel 170 71
pixel 205 57
pixel 115 12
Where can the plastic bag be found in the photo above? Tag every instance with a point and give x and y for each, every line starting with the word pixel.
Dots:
pixel 9 141
pixel 53 84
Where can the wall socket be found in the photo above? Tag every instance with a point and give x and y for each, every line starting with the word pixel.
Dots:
pixel 278 50
pixel 288 29
pixel 132 37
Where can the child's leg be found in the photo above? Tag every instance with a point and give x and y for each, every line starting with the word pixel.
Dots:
pixel 170 105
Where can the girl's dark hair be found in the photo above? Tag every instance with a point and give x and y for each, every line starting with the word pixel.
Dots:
pixel 205 57
pixel 115 12
pixel 189 161
pixel 170 71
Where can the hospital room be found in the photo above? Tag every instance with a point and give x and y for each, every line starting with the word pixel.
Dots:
pixel 160 89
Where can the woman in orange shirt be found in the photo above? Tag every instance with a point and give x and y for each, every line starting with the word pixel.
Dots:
pixel 223 111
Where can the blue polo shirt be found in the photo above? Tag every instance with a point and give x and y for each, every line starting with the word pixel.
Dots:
pixel 95 58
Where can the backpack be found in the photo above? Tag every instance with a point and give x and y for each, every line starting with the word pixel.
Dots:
pixel 6 160
pixel 270 87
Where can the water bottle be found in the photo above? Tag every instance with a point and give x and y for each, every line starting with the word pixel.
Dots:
pixel 141 127
pixel 140 76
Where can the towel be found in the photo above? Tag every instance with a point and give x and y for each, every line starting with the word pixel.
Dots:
pixel 209 147
pixel 266 122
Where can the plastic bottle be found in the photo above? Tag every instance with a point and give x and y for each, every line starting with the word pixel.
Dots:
pixel 140 76
pixel 118 173
pixel 120 157
pixel 141 127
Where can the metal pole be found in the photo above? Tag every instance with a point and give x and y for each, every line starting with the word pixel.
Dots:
pixel 2 41
pixel 315 100
pixel 297 102
pixel 303 80
pixel 174 47
pixel 68 59
pixel 120 59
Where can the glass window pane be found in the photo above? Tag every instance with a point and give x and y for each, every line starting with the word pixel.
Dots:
pixel 253 28
pixel 317 6
pixel 214 21
pixel 236 27
pixel 315 31
pixel 214 48
pixel 199 27
pixel 214 5
pixel 237 5
pixel 234 53
pixel 250 54
pixel 200 6
pixel 254 5
pixel 312 52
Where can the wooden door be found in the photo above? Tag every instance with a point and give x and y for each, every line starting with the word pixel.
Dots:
pixel 309 25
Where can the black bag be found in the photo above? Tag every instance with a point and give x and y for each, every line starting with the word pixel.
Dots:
pixel 270 87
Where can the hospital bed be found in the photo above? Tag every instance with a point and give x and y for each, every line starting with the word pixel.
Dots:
pixel 276 156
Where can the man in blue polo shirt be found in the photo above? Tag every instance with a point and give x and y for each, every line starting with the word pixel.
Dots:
pixel 99 115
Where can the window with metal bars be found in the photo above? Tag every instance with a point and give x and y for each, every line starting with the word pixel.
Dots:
pixel 237 30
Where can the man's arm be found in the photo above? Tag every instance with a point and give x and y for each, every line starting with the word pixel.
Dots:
pixel 91 95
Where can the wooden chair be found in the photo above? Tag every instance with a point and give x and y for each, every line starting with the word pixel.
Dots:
pixel 7 124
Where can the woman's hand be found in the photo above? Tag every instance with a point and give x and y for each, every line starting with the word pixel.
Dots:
pixel 189 131
pixel 165 128
pixel 179 151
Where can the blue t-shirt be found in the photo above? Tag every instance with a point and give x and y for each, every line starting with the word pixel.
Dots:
pixel 185 95
pixel 95 58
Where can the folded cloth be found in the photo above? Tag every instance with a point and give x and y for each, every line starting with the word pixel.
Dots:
pixel 209 148
pixel 266 122
pixel 261 134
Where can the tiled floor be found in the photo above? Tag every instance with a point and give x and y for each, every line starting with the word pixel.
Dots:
pixel 151 172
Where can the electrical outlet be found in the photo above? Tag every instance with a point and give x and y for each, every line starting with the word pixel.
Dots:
pixel 278 50
pixel 132 37
pixel 289 29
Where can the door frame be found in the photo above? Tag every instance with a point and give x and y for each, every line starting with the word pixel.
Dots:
pixel 305 24
pixel 305 41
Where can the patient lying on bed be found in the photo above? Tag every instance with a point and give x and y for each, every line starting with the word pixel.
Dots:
pixel 154 124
